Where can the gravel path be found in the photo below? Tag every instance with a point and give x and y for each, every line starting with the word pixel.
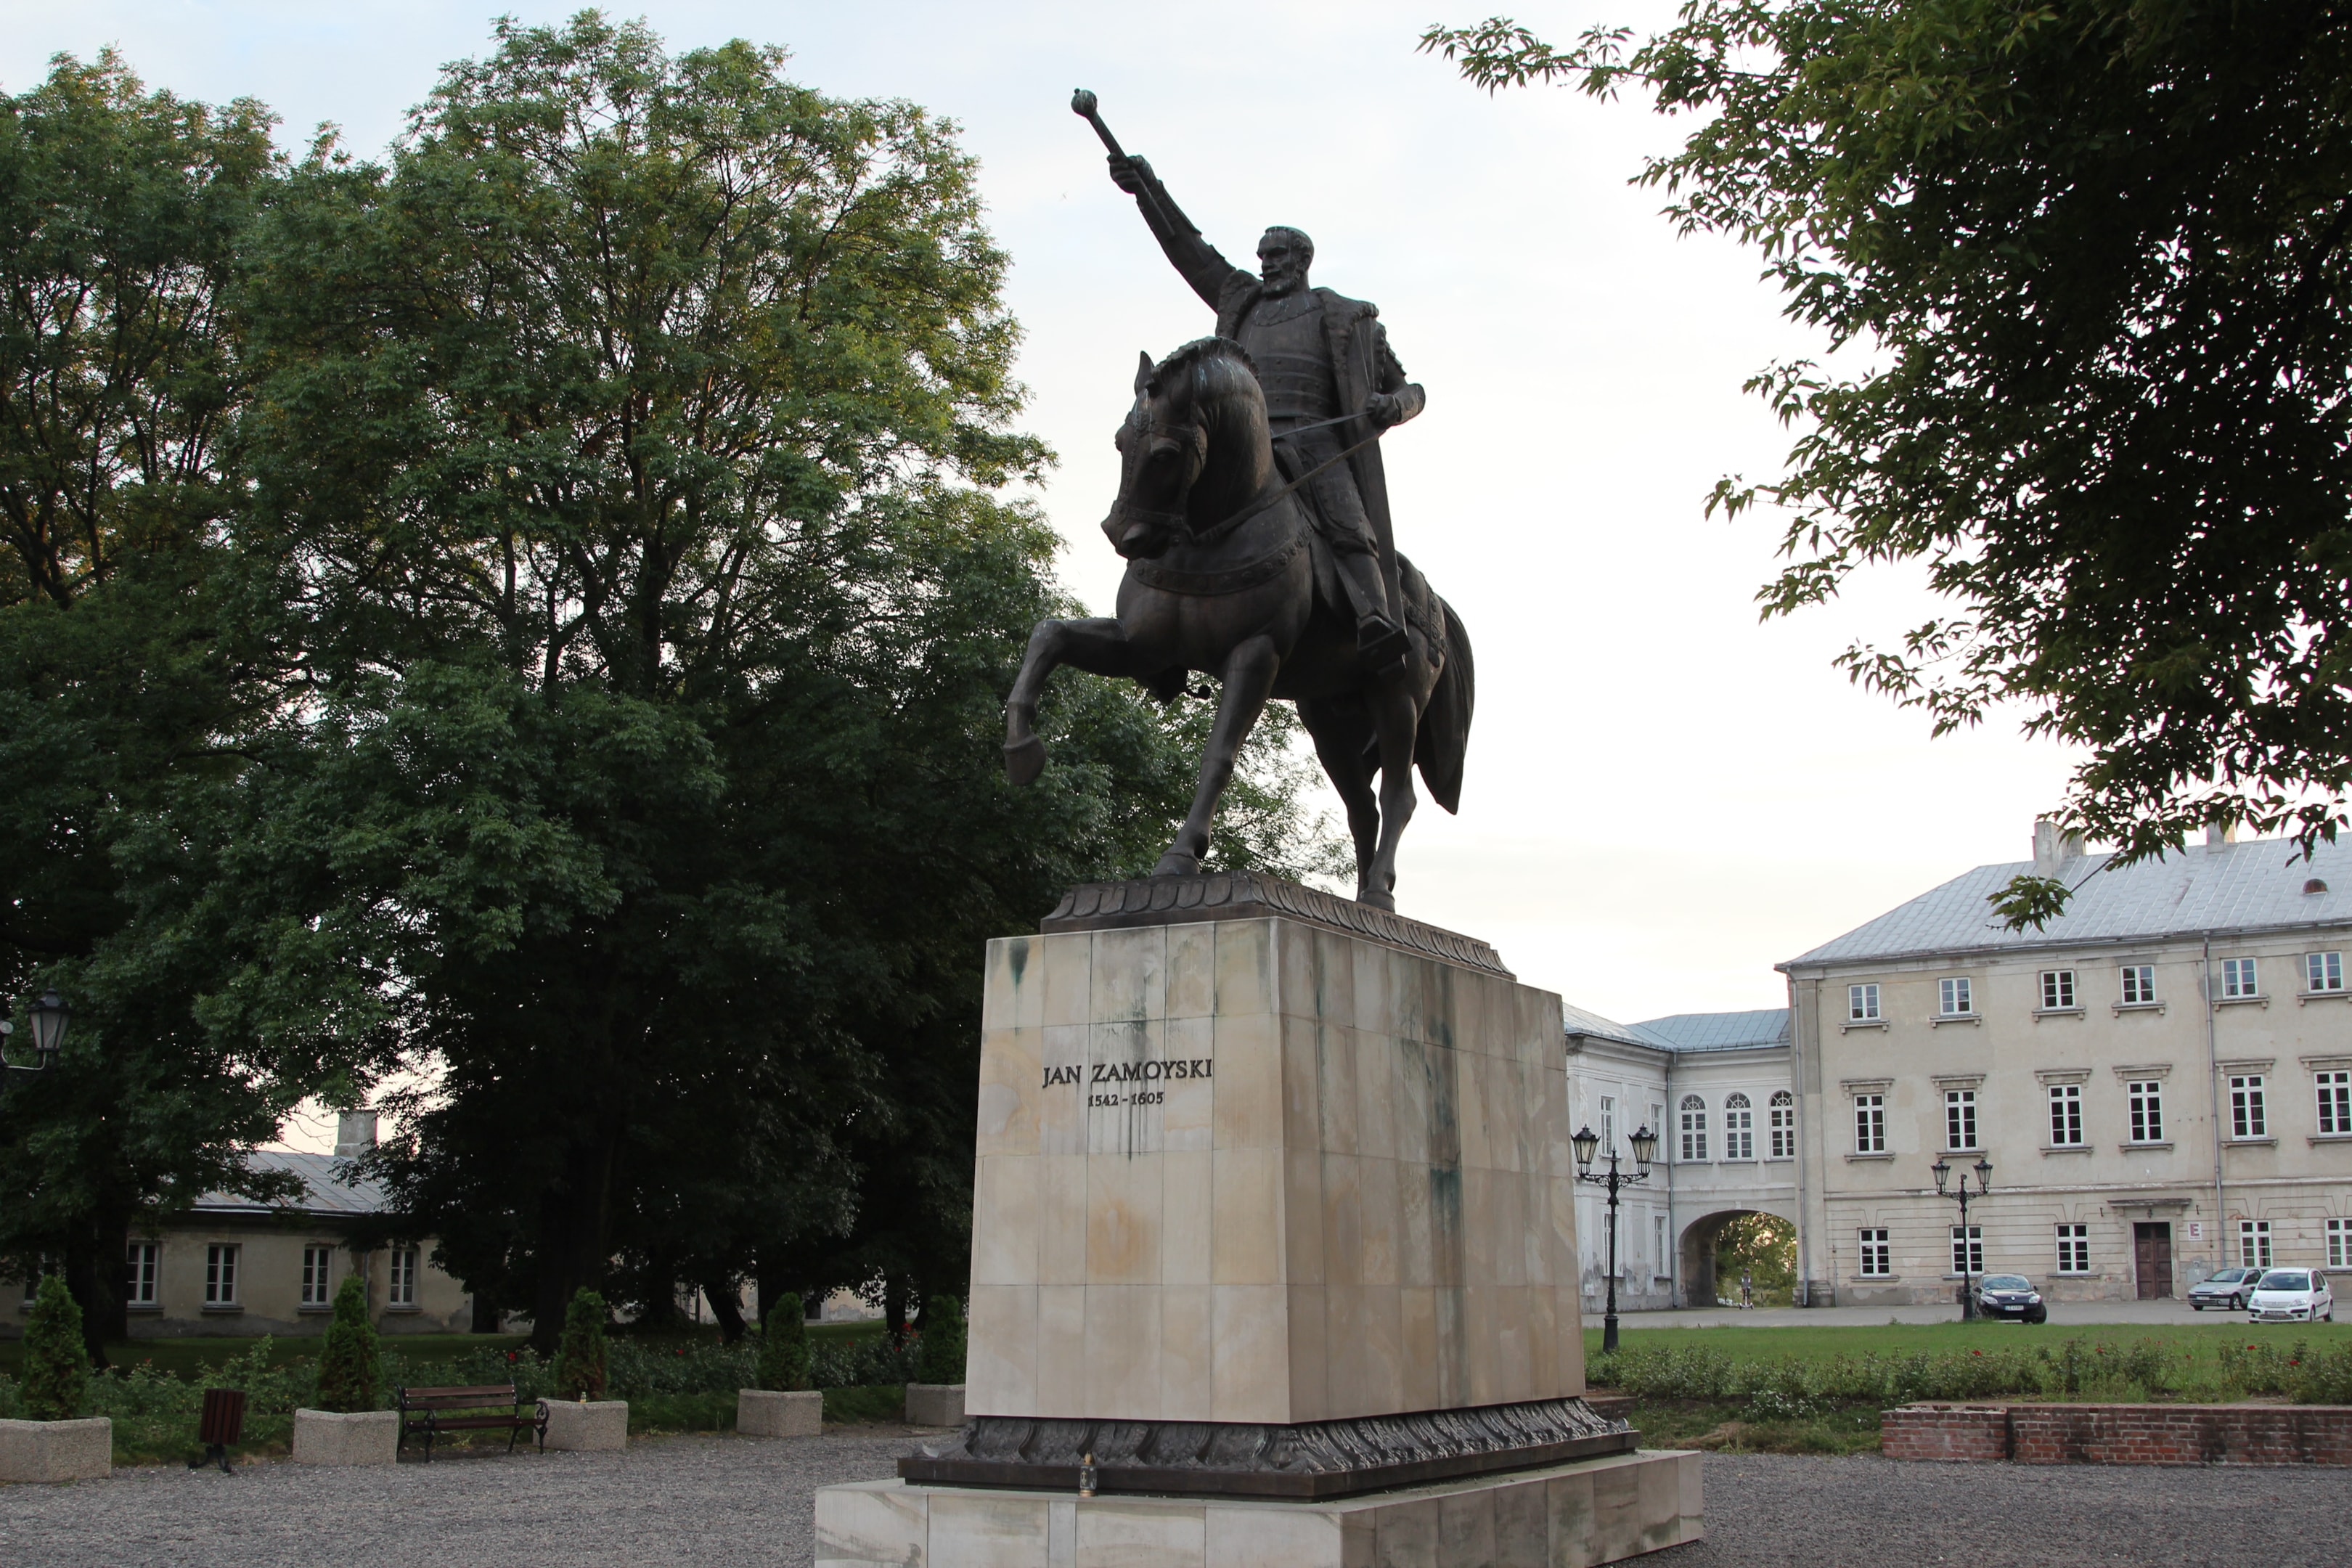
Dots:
pixel 714 1502
pixel 1766 1510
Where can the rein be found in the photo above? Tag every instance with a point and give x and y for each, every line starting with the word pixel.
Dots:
pixel 1217 530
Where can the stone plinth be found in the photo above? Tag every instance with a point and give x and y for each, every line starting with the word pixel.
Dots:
pixel 56 1450
pixel 596 1424
pixel 1255 1168
pixel 767 1412
pixel 340 1437
pixel 1571 1516
pixel 935 1403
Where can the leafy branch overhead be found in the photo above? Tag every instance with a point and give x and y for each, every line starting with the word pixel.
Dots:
pixel 2095 259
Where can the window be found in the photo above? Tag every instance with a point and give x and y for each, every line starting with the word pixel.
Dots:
pixel 2238 978
pixel 2335 1101
pixel 220 1275
pixel 1870 1124
pixel 1959 1119
pixel 401 1289
pixel 2057 988
pixel 1608 1124
pixel 1784 1125
pixel 1968 1249
pixel 2140 984
pixel 139 1266
pixel 1861 1004
pixel 1693 1126
pixel 318 1266
pixel 2254 1242
pixel 2339 1244
pixel 2073 1249
pixel 1738 1129
pixel 2146 1112
pixel 2248 1119
pixel 2066 1115
pixel 2323 972
pixel 1658 1230
pixel 1954 998
pixel 1877 1256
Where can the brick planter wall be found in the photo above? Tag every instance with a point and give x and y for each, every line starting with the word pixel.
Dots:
pixel 2122 1433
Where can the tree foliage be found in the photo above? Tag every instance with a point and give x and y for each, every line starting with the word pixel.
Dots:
pixel 580 1359
pixel 943 1340
pixel 784 1346
pixel 350 1372
pixel 2095 258
pixel 56 1369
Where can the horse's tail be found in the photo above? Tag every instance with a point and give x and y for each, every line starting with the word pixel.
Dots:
pixel 1444 739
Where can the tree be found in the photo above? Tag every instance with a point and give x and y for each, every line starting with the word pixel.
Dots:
pixel 580 1356
pixel 785 1347
pixel 943 1340
pixel 56 1373
pixel 626 444
pixel 2097 259
pixel 1764 1249
pixel 351 1374
pixel 133 692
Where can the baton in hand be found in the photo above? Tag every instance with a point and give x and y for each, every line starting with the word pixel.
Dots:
pixel 1083 104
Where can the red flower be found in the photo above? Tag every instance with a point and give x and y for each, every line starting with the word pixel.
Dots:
pixel 1976 1353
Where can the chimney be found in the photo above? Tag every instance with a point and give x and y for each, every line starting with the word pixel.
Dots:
pixel 354 1133
pixel 2217 832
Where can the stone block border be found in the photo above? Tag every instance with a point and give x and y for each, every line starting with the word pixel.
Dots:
pixel 336 1438
pixel 56 1450
pixel 765 1413
pixel 596 1424
pixel 935 1405
pixel 2121 1434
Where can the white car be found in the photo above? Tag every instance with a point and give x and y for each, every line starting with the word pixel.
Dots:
pixel 2292 1296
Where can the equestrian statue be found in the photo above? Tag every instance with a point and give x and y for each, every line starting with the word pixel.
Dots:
pixel 1253 512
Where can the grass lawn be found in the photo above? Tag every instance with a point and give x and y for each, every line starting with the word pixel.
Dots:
pixel 1805 1342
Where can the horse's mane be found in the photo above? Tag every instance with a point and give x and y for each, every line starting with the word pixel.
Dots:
pixel 1221 368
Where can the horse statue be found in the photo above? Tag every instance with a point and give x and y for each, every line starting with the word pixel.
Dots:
pixel 1226 576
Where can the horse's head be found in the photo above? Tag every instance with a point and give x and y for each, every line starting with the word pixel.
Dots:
pixel 1192 449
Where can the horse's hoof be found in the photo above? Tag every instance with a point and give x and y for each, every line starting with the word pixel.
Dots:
pixel 1374 898
pixel 1025 760
pixel 1175 863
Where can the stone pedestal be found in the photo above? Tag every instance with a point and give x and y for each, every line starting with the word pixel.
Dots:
pixel 1568 1516
pixel 339 1438
pixel 1274 1200
pixel 56 1450
pixel 597 1424
pixel 767 1412
pixel 935 1403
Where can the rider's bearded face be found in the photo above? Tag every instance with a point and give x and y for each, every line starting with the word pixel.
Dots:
pixel 1282 263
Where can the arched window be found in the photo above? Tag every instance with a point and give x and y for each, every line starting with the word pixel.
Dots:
pixel 1738 1129
pixel 1693 1126
pixel 1784 1126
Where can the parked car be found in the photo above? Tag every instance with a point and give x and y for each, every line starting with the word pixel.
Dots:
pixel 2292 1296
pixel 2228 1288
pixel 2011 1296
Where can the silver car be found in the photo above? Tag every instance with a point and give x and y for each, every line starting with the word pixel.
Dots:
pixel 2227 1290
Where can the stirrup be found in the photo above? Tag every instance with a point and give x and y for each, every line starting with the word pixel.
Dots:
pixel 1382 644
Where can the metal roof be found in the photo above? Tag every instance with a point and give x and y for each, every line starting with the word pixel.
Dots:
pixel 331 1190
pixel 2234 887
pixel 1746 1031
pixel 1581 1022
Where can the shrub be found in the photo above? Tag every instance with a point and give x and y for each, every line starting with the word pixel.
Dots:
pixel 580 1355
pixel 350 1366
pixel 942 1349
pixel 785 1347
pixel 57 1366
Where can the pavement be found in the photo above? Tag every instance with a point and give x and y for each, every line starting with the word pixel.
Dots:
pixel 2062 1313
pixel 713 1501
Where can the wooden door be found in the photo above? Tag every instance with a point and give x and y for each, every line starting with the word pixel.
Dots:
pixel 2152 1259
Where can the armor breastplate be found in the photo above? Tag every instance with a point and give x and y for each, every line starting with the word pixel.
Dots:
pixel 1285 340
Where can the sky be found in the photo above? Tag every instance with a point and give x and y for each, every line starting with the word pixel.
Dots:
pixel 1663 796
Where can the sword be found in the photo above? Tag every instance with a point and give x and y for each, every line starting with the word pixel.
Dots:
pixel 1083 104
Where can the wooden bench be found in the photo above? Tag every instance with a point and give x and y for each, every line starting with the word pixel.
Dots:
pixel 475 1407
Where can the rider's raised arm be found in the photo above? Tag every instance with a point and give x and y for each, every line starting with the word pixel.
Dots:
pixel 1195 258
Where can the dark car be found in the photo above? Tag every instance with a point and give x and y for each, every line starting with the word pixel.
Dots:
pixel 2011 1296
pixel 2229 1289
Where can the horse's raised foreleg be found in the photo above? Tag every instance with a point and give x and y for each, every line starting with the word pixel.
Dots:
pixel 1395 717
pixel 1248 678
pixel 1098 645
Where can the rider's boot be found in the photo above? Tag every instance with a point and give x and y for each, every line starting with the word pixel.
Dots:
pixel 1381 644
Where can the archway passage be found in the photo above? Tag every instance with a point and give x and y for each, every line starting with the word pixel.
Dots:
pixel 1719 1249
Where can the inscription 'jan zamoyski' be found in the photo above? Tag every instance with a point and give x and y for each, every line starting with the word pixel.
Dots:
pixel 1127 1072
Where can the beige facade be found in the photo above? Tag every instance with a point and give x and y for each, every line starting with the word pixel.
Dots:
pixel 2161 1081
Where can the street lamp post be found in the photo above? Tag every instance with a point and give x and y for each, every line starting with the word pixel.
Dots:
pixel 50 1016
pixel 1586 1143
pixel 1943 1171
